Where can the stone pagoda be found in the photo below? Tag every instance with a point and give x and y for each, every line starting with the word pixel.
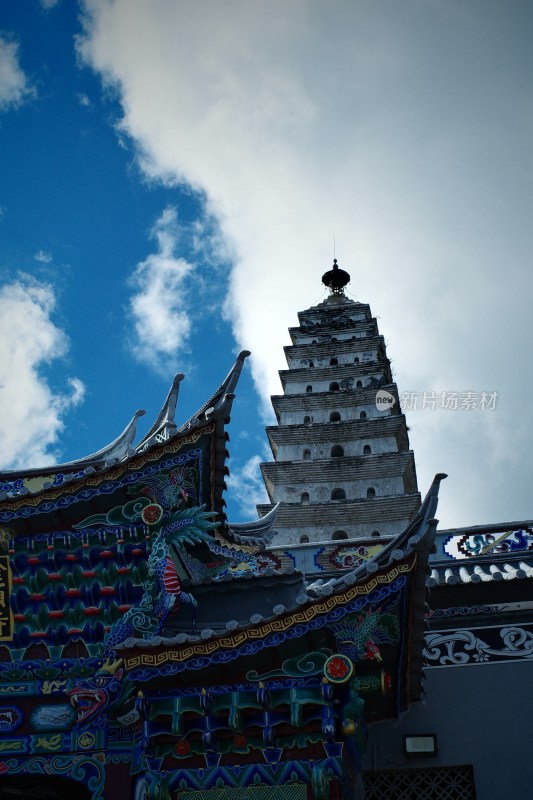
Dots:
pixel 343 468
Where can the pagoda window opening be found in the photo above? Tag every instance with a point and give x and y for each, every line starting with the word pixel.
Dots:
pixel 367 450
pixel 362 415
pixel 337 451
pixel 338 494
pixel 307 420
pixel 375 534
pixel 334 387
pixel 307 455
pixel 311 363
pixel 356 360
pixel 359 385
pixel 304 497
pixel 334 416
pixel 370 493
pixel 304 539
pixel 339 535
pixel 333 362
pixel 308 389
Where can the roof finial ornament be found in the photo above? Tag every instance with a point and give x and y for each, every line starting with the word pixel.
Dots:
pixel 336 279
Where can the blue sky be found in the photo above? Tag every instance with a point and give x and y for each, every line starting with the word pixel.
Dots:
pixel 171 175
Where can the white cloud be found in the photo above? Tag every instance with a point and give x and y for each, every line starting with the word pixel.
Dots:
pixel 14 86
pixel 403 127
pixel 246 486
pixel 31 413
pixel 76 396
pixel 160 303
pixel 48 4
pixel 44 258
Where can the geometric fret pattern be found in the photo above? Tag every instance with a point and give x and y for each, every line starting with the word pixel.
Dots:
pixel 294 791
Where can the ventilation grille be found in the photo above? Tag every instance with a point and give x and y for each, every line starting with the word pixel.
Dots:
pixel 446 783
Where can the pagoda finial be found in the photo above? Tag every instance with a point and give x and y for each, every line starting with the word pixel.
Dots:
pixel 336 279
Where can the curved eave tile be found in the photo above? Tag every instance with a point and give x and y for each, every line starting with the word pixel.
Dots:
pixel 165 421
pixel 478 573
pixel 218 399
pixel 257 533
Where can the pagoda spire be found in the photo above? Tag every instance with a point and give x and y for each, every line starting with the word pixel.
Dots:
pixel 336 279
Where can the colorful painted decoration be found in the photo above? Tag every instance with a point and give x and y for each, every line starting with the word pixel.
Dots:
pixel 338 668
pixel 91 698
pixel 127 514
pixel 162 593
pixel 52 717
pixel 463 647
pixel 360 636
pixel 471 545
pixel 152 513
pixel 10 718
pixel 346 556
pixel 308 664
pixel 6 616
pixel 180 485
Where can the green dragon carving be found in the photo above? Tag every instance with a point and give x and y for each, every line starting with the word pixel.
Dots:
pixel 162 592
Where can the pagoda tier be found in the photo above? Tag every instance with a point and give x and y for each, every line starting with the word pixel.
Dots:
pixel 317 406
pixel 342 467
pixel 347 376
pixel 367 349
pixel 387 471
pixel 392 430
pixel 310 334
pixel 346 519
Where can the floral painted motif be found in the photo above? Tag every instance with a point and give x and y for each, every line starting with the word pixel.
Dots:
pixel 152 514
pixel 338 668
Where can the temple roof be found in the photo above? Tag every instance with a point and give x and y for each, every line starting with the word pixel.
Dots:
pixel 57 497
pixel 406 554
pixel 122 449
pixel 118 450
